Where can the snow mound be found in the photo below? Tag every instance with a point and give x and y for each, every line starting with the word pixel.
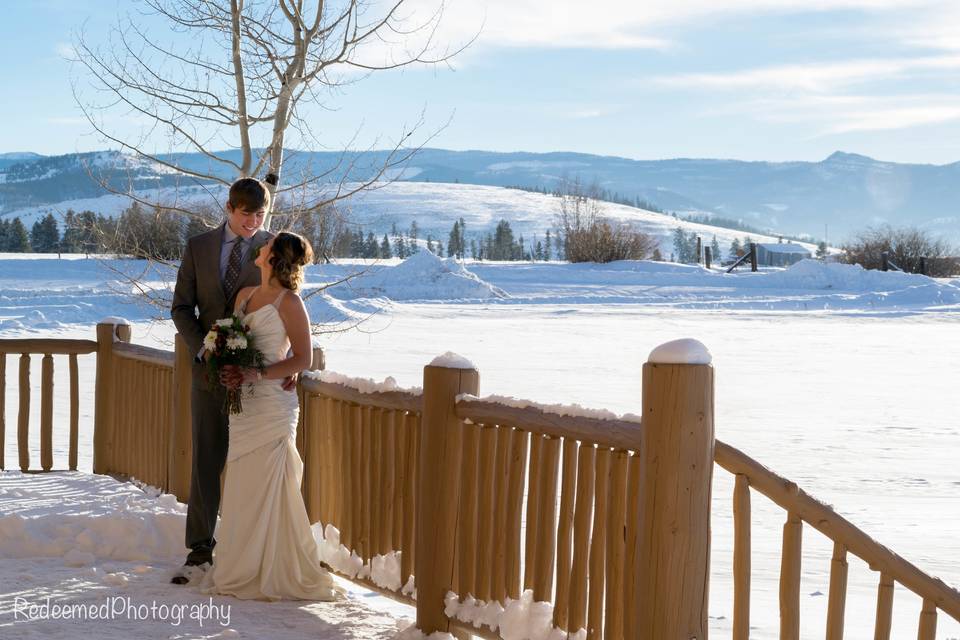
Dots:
pixel 422 276
pixel 813 274
pixel 81 518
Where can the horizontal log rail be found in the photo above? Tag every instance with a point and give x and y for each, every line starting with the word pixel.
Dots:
pixel 147 355
pixel 51 346
pixel 797 502
pixel 619 434
pixel 391 400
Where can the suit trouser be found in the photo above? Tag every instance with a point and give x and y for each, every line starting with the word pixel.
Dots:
pixel 210 444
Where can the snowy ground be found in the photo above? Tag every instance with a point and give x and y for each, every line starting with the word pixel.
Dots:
pixel 838 379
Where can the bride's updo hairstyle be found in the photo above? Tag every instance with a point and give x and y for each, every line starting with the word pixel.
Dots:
pixel 290 254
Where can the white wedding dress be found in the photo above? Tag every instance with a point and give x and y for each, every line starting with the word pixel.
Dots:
pixel 265 548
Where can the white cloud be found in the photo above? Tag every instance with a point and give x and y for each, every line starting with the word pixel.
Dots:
pixel 832 115
pixel 613 24
pixel 818 77
pixel 65 50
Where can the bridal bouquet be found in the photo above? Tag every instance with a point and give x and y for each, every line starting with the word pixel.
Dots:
pixel 229 343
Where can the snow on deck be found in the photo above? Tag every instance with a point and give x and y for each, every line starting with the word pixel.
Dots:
pixel 87 556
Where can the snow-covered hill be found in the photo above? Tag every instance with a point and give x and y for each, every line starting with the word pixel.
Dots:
pixel 434 207
pixel 845 191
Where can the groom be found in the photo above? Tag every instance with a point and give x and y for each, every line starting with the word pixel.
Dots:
pixel 216 264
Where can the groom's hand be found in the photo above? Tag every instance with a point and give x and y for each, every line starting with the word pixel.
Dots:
pixel 290 382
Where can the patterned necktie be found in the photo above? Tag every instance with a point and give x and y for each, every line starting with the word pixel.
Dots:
pixel 233 266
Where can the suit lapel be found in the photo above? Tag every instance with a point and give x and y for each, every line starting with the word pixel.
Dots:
pixel 214 257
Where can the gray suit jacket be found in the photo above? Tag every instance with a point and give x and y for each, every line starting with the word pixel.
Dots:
pixel 199 299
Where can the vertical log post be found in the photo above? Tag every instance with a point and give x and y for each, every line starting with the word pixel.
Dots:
pixel 838 592
pixel 104 398
pixel 673 546
pixel 3 409
pixel 46 413
pixel 181 427
pixel 699 249
pixel 23 414
pixel 790 565
pixel 74 410
pixel 316 364
pixel 928 621
pixel 741 558
pixel 438 489
pixel 707 256
pixel 884 608
pixel 753 257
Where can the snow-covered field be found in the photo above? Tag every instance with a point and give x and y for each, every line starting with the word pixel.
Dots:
pixel 839 379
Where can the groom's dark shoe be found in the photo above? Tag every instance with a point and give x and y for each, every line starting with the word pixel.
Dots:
pixel 183 575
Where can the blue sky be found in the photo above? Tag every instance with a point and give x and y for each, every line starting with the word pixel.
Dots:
pixel 746 79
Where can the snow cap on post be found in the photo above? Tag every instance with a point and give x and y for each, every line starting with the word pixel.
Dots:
pixel 683 351
pixel 451 360
pixel 115 320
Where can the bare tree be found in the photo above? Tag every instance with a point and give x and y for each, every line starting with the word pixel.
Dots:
pixel 589 236
pixel 244 82
pixel 910 249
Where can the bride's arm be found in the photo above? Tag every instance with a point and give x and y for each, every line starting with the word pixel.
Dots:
pixel 293 313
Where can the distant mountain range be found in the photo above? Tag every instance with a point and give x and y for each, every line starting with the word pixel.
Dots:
pixel 845 191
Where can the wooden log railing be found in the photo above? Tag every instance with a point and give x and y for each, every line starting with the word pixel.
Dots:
pixel 605 521
pixel 47 348
pixel 802 509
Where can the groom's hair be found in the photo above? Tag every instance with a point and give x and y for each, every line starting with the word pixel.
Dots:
pixel 249 194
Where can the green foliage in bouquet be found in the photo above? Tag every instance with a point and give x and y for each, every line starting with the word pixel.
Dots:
pixel 229 343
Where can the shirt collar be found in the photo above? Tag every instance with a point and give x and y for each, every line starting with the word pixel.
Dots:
pixel 229 236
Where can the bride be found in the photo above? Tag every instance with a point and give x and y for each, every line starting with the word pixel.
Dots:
pixel 265 548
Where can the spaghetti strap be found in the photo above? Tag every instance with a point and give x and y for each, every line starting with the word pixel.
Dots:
pixel 243 305
pixel 277 301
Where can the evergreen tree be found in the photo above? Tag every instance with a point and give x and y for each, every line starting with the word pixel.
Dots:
pixel 502 246
pixel 371 248
pixel 4 234
pixel 439 248
pixel 385 251
pixel 538 253
pixel 357 245
pixel 18 240
pixel 546 247
pixel 473 248
pixel 401 248
pixel 715 248
pixel 453 241
pixel 430 243
pixel 657 256
pixel 45 235
pixel 414 231
pixel 685 246
pixel 822 250
pixel 736 249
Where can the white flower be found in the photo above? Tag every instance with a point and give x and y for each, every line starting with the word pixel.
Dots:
pixel 210 341
pixel 236 342
pixel 224 322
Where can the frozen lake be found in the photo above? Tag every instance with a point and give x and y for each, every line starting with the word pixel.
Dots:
pixel 859 408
